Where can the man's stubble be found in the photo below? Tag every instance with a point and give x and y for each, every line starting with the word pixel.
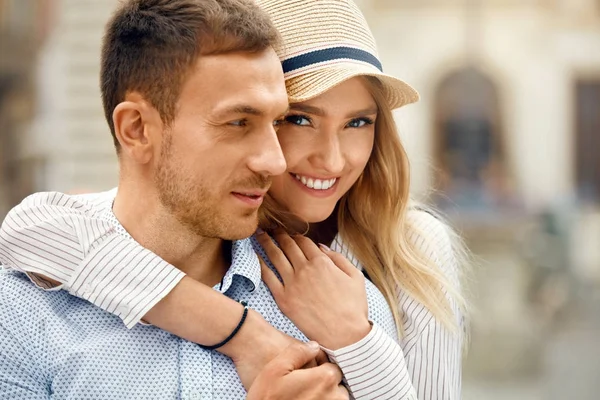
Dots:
pixel 198 207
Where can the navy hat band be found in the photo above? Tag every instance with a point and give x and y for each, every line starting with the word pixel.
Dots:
pixel 324 55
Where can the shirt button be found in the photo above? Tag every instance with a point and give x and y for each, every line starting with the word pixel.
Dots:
pixel 194 396
pixel 86 289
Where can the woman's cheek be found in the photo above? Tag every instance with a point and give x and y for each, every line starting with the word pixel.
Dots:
pixel 358 151
pixel 286 139
pixel 295 149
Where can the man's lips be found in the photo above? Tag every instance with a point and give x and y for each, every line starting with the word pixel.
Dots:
pixel 250 197
pixel 251 193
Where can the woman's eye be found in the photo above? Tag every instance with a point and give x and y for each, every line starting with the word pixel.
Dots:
pixel 359 122
pixel 278 122
pixel 297 120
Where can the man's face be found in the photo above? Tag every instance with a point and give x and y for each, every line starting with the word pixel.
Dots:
pixel 220 152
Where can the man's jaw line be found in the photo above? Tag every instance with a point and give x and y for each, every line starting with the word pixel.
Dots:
pixel 152 226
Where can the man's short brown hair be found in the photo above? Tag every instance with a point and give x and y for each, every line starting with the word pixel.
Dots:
pixel 150 46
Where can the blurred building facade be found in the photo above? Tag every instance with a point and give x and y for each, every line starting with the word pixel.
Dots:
pixel 507 128
pixel 505 140
pixel 23 26
pixel 509 93
pixel 58 139
pixel 509 109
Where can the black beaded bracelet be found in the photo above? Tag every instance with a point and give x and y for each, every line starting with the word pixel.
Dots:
pixel 235 331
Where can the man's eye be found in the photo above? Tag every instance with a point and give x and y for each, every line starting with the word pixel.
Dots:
pixel 240 122
pixel 298 120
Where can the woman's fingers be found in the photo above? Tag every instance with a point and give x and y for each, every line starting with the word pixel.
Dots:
pixel 307 246
pixel 296 252
pixel 341 262
pixel 271 280
pixel 276 256
pixel 290 248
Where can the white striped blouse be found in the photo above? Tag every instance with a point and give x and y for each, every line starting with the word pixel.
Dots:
pixel 65 238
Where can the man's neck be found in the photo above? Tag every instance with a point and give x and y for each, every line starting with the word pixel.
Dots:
pixel 146 220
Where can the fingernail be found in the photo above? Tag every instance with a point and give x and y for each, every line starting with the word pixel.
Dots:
pixel 324 248
pixel 259 231
pixel 313 345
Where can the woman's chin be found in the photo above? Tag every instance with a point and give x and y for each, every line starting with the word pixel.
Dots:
pixel 314 216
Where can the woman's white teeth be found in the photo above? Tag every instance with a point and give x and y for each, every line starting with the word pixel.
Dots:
pixel 316 184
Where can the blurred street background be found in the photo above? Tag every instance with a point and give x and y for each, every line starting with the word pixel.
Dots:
pixel 505 141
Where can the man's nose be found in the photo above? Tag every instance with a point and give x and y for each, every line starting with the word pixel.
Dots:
pixel 269 159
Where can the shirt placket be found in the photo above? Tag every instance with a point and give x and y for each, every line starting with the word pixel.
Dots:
pixel 196 373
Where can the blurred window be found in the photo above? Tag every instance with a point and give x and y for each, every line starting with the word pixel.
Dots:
pixel 468 142
pixel 588 140
pixel 18 16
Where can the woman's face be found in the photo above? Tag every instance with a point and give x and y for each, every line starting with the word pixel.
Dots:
pixel 327 142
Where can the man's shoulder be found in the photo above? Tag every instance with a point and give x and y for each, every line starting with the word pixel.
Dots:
pixel 97 198
pixel 25 303
pixel 19 293
pixel 88 203
pixel 23 307
pixel 379 310
pixel 27 311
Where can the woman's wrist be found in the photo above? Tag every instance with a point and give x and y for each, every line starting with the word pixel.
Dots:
pixel 346 335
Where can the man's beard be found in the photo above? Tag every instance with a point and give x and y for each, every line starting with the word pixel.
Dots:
pixel 198 208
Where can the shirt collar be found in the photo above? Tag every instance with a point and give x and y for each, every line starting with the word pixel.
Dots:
pixel 244 263
pixel 338 245
pixel 244 260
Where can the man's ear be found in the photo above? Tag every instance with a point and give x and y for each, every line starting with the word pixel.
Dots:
pixel 135 121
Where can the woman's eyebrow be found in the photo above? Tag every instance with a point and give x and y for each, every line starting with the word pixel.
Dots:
pixel 363 112
pixel 305 108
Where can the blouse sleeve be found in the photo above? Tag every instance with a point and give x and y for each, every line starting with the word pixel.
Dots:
pixel 62 242
pixel 426 364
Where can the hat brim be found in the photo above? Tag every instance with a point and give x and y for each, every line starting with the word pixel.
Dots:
pixel 312 84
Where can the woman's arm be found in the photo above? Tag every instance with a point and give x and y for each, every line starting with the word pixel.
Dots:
pixel 434 352
pixel 202 315
pixel 62 242
pixel 425 365
pixel 325 296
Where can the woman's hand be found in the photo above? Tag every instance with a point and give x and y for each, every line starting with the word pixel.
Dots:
pixel 322 292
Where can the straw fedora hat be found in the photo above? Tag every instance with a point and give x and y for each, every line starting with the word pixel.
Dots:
pixel 326 42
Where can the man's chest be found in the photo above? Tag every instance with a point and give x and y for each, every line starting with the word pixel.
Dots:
pixel 108 361
pixel 144 363
pixel 93 356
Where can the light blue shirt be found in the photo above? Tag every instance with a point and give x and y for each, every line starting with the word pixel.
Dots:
pixel 56 346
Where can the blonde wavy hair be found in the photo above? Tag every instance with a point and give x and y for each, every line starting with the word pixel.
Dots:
pixel 372 220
